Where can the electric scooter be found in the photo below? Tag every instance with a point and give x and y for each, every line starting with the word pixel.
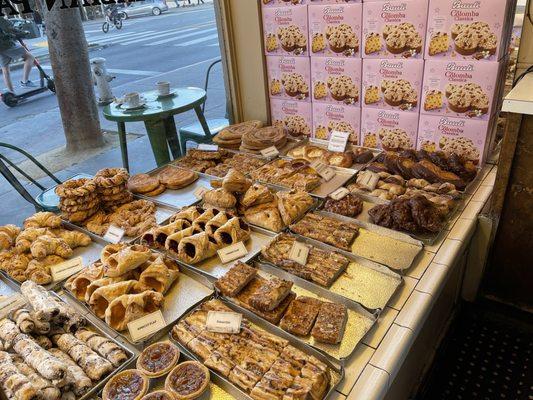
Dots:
pixel 46 83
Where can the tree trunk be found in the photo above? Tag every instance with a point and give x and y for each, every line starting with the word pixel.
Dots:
pixel 72 74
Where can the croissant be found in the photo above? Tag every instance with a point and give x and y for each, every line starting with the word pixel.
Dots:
pixel 233 231
pixel 103 296
pixel 44 219
pixel 28 236
pixel 196 248
pixel 189 213
pixel 213 224
pixel 167 230
pixel 91 288
pixel 77 284
pixel 75 239
pixel 130 307
pixel 38 271
pixel 8 234
pixel 47 245
pixel 173 241
pixel 15 265
pixel 159 276
pixel 109 250
pixel 127 259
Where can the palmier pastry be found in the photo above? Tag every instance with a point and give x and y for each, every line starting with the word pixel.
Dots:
pixel 220 198
pixel 158 359
pixel 176 178
pixel 142 183
pixel 109 177
pixel 126 385
pixel 188 380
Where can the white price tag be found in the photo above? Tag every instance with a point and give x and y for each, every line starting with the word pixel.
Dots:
pixel 338 141
pixel 368 180
pixel 323 170
pixel 207 147
pixel 11 303
pixel 299 253
pixel 340 193
pixel 66 268
pixel 270 152
pixel 223 322
pixel 233 252
pixel 114 234
pixel 146 326
pixel 200 191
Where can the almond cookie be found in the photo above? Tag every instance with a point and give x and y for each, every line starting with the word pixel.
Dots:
pixel 142 183
pixel 177 178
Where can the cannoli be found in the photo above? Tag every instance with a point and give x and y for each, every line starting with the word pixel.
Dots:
pixel 77 284
pixel 46 388
pixel 130 307
pixel 77 379
pixel 41 301
pixel 159 276
pixel 103 346
pixel 127 260
pixel 196 248
pixel 14 381
pixel 41 327
pixel 103 296
pixel 23 320
pixel 233 231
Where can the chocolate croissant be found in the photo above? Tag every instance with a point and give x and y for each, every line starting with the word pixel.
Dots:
pixel 130 307
pixel 233 231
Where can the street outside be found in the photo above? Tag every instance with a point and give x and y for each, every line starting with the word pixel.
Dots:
pixel 177 46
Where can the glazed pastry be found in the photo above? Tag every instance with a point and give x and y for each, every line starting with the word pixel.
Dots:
pixel 158 359
pixel 15 381
pixel 46 388
pixel 187 380
pixel 266 216
pixel 158 276
pixel 8 234
pixel 43 219
pixel 101 283
pixel 28 236
pixel 77 284
pixel 109 250
pixel 103 296
pixel 126 385
pixel 23 320
pixel 103 346
pixel 44 307
pixel 130 307
pixel 173 241
pixel 195 248
pixel 163 232
pixel 47 245
pixel 189 213
pixel 213 224
pixel 127 259
pixel 92 364
pixel 233 231
pixel 257 194
pixel 235 182
pixel 76 378
pixel 200 222
pixel 220 198
pixel 75 238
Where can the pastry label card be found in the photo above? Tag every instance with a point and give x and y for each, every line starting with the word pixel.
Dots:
pixel 338 141
pixel 299 253
pixel 7 304
pixel 233 252
pixel 323 170
pixel 200 191
pixel 223 322
pixel 368 179
pixel 146 326
pixel 207 147
pixel 340 193
pixel 270 152
pixel 66 269
pixel 114 234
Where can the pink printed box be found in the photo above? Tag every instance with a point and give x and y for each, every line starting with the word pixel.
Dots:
pixel 336 117
pixel 335 30
pixel 295 117
pixel 466 137
pixel 466 29
pixel 333 1
pixel 282 3
pixel 388 129
pixel 336 80
pixel 394 29
pixel 392 83
pixel 285 30
pixel 289 77
pixel 460 88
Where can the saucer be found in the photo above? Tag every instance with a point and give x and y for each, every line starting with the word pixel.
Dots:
pixel 141 104
pixel 164 96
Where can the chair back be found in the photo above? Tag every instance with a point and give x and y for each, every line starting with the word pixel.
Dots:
pixel 207 75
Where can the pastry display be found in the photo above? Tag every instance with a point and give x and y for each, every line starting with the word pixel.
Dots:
pixel 168 178
pixel 158 359
pixel 126 385
pixel 200 160
pixel 296 174
pixel 300 316
pixel 330 323
pixel 322 267
pixel 235 279
pixel 244 163
pixel 349 206
pixel 28 253
pixel 78 199
pixel 312 153
pixel 259 139
pixel 231 136
pixel 327 230
pixel 127 283
pixel 111 186
pixel 187 380
pixel 259 363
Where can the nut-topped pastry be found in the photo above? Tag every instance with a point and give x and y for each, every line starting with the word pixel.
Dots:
pixel 158 359
pixel 126 385
pixel 159 395
pixel 187 380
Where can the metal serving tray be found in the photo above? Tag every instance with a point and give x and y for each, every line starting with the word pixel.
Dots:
pixel 336 371
pixel 131 355
pixel 365 282
pixel 189 288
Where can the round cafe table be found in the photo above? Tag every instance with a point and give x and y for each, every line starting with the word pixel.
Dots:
pixel 158 117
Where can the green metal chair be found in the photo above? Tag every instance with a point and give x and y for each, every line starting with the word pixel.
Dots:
pixel 195 132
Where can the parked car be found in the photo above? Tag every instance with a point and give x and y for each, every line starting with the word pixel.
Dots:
pixel 145 7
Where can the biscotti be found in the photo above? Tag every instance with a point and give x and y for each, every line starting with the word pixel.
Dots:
pixel 392 83
pixel 285 30
pixel 394 29
pixel 336 117
pixel 388 129
pixel 336 80
pixel 295 117
pixel 289 77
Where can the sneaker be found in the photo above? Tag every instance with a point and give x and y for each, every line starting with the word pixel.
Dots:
pixel 28 83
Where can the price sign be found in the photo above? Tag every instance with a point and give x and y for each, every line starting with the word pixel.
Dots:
pixel 270 152
pixel 146 326
pixel 114 234
pixel 207 147
pixel 66 268
pixel 233 252
pixel 200 191
pixel 338 141
pixel 299 253
pixel 223 322
pixel 340 193
pixel 10 303
pixel 368 180
pixel 323 170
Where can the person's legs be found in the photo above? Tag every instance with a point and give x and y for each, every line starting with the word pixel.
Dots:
pixel 7 78
pixel 28 63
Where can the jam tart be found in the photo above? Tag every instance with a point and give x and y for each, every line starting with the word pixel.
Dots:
pixel 187 380
pixel 158 359
pixel 126 385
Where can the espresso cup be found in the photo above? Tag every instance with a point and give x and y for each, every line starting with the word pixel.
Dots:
pixel 163 88
pixel 132 99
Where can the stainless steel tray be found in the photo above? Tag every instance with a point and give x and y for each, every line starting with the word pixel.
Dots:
pixel 336 371
pixel 365 282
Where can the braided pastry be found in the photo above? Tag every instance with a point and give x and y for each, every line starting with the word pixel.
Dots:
pixel 76 188
pixel 109 177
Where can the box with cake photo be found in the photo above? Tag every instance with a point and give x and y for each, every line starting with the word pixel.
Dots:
pixel 394 29
pixel 336 117
pixel 335 29
pixel 460 88
pixel 392 83
pixel 295 117
pixel 285 30
pixel 283 3
pixel 465 137
pixel 388 129
pixel 333 1
pixel 336 80
pixel 466 29
pixel 289 77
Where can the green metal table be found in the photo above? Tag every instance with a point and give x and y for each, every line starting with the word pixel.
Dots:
pixel 158 117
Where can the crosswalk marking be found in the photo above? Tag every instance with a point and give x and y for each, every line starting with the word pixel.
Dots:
pixel 180 37
pixel 196 41
pixel 106 39
pixel 163 34
pixel 121 71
